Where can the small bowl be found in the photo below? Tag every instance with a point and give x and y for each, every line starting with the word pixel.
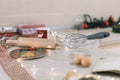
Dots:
pixel 81 51
pixel 92 44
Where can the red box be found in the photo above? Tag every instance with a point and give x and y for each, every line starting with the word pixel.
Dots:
pixel 29 30
pixel 42 33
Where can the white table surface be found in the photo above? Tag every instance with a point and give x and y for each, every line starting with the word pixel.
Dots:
pixel 47 68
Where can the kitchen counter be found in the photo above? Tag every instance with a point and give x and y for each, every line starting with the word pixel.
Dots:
pixel 48 68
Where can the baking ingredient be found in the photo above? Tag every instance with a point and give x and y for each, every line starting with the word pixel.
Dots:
pixel 28 54
pixel 77 58
pixel 86 61
pixel 81 59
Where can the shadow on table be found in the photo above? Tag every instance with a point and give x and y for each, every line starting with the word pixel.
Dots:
pixel 111 74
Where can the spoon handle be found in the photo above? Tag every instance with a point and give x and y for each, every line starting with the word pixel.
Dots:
pixel 98 35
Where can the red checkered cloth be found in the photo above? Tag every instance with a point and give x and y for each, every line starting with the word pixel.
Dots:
pixel 13 68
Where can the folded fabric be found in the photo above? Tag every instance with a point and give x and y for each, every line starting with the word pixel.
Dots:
pixel 13 68
pixel 109 64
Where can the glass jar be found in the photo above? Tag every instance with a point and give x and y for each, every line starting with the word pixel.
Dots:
pixel 78 23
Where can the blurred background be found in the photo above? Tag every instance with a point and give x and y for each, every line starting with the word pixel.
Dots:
pixel 54 13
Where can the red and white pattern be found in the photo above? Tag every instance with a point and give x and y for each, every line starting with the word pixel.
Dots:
pixel 29 30
pixel 13 68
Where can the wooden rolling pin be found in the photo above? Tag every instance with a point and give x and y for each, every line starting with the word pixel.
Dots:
pixel 33 42
pixel 35 39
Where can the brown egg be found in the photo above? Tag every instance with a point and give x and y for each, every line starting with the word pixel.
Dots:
pixel 86 61
pixel 77 58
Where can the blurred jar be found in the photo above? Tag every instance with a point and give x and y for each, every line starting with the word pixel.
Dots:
pixel 78 23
